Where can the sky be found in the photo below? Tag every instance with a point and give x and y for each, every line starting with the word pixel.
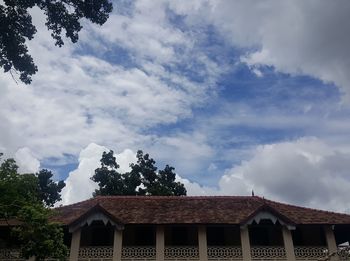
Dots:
pixel 236 95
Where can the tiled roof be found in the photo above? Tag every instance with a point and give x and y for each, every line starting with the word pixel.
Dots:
pixel 194 210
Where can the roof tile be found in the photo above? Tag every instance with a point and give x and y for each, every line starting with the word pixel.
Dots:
pixel 198 210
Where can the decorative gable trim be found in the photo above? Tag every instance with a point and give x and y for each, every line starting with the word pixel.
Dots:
pixel 96 213
pixel 267 212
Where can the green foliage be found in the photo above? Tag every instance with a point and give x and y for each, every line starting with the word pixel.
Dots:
pixel 49 191
pixel 25 197
pixel 143 179
pixel 16 190
pixel 16 27
pixel 37 236
pixel 112 182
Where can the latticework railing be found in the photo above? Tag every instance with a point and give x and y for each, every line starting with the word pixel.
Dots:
pixel 268 253
pixel 103 253
pixel 181 253
pixel 14 255
pixel 344 253
pixel 310 252
pixel 218 253
pixel 10 254
pixel 136 253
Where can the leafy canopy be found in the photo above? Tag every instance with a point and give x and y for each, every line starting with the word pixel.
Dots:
pixel 26 198
pixel 16 28
pixel 143 179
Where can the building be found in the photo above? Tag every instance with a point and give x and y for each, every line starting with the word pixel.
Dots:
pixel 152 228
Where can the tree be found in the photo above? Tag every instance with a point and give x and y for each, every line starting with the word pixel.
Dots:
pixel 156 183
pixel 25 197
pixel 112 182
pixel 142 179
pixel 16 27
pixel 49 191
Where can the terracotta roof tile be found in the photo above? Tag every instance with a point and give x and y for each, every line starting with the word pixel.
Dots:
pixel 198 210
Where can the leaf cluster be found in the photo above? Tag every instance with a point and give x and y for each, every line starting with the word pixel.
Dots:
pixel 26 198
pixel 16 28
pixel 143 179
pixel 38 236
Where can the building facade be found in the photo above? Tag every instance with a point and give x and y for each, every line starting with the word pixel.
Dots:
pixel 127 228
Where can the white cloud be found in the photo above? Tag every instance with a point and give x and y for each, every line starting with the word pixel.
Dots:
pixel 124 159
pixel 307 172
pixel 187 152
pixel 26 161
pixel 257 72
pixel 78 97
pixel 79 186
pixel 296 37
pixel 195 189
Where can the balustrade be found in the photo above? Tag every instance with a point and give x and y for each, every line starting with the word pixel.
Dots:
pixel 104 253
pixel 14 255
pixel 218 253
pixel 10 254
pixel 136 253
pixel 268 253
pixel 180 253
pixel 310 253
pixel 344 253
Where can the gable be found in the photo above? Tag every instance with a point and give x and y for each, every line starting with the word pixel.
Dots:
pixel 96 213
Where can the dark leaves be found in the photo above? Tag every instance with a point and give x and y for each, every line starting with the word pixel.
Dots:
pixel 143 179
pixel 25 197
pixel 49 191
pixel 15 26
pixel 61 16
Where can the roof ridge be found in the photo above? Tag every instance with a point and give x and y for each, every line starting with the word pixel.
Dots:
pixel 306 208
pixel 172 197
pixel 255 197
pixel 76 203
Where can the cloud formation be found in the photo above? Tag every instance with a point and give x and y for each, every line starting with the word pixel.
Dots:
pixel 106 100
pixel 307 172
pixel 79 186
pixel 26 161
pixel 163 76
pixel 295 37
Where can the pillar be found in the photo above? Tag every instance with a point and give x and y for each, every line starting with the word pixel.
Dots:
pixel 288 243
pixel 75 245
pixel 160 243
pixel 331 243
pixel 202 243
pixel 245 242
pixel 117 244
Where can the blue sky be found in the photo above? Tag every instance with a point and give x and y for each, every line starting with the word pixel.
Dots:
pixel 237 96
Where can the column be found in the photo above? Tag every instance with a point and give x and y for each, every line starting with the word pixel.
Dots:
pixel 117 245
pixel 245 244
pixel 202 243
pixel 75 245
pixel 288 243
pixel 160 243
pixel 331 243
